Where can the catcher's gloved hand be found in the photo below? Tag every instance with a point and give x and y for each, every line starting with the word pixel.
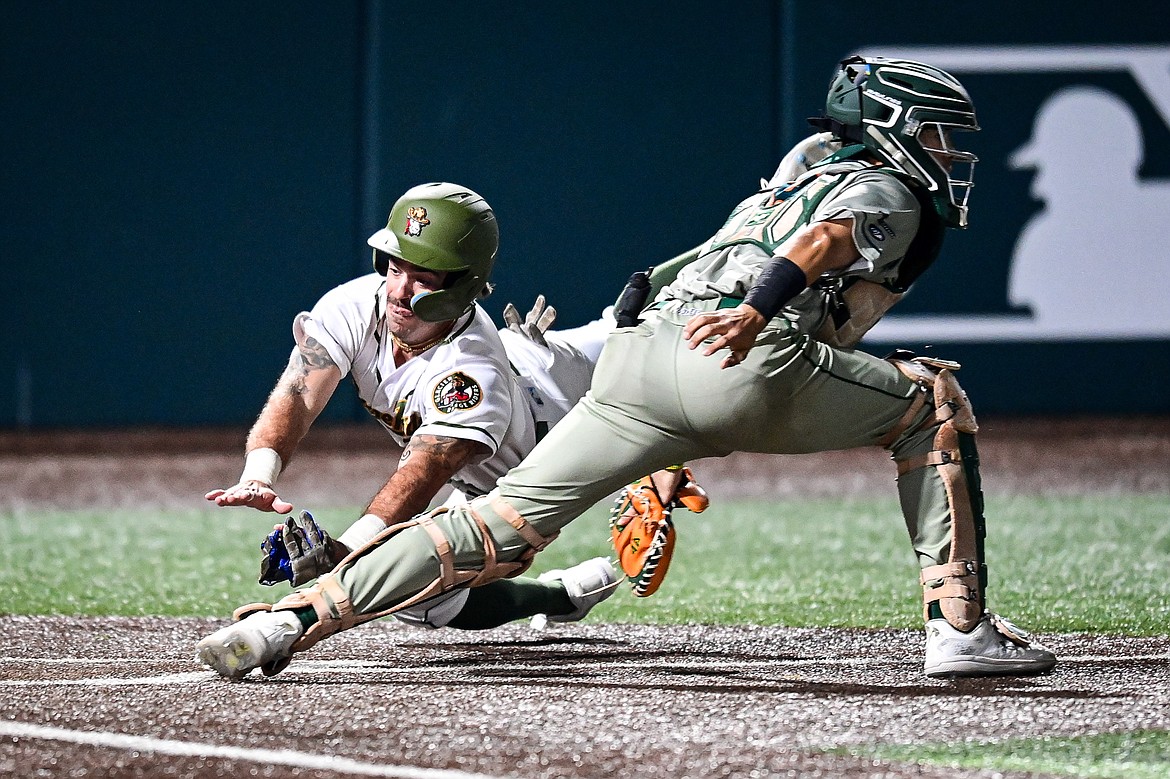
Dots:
pixel 642 530
pixel 535 324
pixel 297 552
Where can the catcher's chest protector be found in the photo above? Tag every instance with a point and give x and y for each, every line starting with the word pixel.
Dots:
pixel 768 218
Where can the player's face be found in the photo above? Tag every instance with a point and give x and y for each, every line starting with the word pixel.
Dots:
pixel 933 137
pixel 403 282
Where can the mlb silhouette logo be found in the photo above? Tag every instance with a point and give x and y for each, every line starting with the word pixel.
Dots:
pixel 1070 216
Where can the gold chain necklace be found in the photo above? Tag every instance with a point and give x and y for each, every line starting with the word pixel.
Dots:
pixel 413 349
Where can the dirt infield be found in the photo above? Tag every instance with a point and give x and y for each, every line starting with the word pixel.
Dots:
pixel 123 697
pixel 580 701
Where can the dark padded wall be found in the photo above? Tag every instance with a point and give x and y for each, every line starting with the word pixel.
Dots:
pixel 179 181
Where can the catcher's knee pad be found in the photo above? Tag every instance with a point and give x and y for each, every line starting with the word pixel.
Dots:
pixel 449 576
pixel 956 585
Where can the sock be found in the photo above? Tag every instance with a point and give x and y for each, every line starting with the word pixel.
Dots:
pixel 506 600
pixel 307 615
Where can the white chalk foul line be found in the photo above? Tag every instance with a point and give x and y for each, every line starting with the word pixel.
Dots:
pixel 115 681
pixel 341 765
pixel 77 660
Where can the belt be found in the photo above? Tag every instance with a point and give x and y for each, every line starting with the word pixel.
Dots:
pixel 727 301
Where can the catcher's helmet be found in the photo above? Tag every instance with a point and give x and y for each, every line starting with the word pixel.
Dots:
pixel 441 227
pixel 885 104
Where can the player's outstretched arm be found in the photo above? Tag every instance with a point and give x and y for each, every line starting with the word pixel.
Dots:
pixel 300 550
pixel 427 464
pixel 303 390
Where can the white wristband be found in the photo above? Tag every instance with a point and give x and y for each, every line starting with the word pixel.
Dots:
pixel 362 532
pixel 262 465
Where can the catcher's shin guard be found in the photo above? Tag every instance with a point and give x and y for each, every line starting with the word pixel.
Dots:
pixel 957 585
pixel 331 603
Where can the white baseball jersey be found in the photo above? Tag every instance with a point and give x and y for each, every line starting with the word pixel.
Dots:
pixel 463 387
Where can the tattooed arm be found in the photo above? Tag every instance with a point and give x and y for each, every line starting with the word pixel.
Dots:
pixel 308 382
pixel 428 462
pixel 302 391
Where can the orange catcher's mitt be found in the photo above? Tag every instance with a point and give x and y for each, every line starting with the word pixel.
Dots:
pixel 643 532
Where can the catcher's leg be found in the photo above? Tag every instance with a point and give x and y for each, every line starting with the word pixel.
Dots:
pixel 939 487
pixel 406 565
pixel 266 636
pixel 942 500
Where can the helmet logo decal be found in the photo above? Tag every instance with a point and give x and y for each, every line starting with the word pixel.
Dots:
pixel 416 220
pixel 457 392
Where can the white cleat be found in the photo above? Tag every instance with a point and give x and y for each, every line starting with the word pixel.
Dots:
pixel 587 584
pixel 260 639
pixel 994 647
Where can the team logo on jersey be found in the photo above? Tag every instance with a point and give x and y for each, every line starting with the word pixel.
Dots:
pixel 416 220
pixel 397 422
pixel 457 392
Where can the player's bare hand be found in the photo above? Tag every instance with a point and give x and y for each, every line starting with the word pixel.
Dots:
pixel 252 494
pixel 734 329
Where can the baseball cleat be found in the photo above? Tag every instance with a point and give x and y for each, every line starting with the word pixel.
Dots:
pixel 261 639
pixel 994 647
pixel 587 584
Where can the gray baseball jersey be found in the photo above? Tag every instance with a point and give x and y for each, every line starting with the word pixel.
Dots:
pixel 885 218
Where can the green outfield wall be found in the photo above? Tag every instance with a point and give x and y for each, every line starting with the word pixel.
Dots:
pixel 179 180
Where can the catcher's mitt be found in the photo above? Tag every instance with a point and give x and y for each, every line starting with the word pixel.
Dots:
pixel 297 552
pixel 643 532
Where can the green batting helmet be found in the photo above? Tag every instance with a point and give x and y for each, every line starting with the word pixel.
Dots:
pixel 886 103
pixel 441 227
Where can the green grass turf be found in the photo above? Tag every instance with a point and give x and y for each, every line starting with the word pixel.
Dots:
pixel 1057 564
pixel 1137 755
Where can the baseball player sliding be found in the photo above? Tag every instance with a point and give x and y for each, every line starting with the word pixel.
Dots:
pixel 749 348
pixel 431 367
